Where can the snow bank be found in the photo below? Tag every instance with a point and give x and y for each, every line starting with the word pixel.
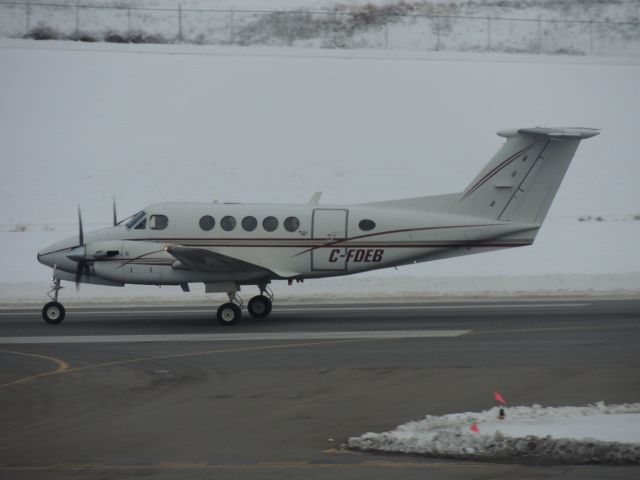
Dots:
pixel 595 433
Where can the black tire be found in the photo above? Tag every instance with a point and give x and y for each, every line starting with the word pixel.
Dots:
pixel 259 306
pixel 53 313
pixel 229 314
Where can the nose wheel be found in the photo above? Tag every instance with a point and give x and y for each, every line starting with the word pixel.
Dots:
pixel 53 312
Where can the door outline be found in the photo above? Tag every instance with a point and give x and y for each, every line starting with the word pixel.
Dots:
pixel 341 266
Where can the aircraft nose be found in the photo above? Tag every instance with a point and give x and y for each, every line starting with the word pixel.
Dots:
pixel 45 257
pixel 55 254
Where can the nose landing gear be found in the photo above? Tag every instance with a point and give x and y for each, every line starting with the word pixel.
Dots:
pixel 53 312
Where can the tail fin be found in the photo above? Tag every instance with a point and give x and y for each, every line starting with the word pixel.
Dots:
pixel 521 180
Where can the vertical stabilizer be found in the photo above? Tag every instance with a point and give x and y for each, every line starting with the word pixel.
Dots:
pixel 521 180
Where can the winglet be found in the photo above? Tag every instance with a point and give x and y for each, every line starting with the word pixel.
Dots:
pixel 315 198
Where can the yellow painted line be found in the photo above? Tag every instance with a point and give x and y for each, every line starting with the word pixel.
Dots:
pixel 62 367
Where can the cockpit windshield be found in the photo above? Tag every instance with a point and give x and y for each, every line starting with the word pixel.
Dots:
pixel 134 219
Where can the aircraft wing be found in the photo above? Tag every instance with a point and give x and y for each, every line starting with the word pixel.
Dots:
pixel 204 260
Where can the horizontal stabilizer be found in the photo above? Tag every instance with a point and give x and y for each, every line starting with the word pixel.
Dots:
pixel 563 132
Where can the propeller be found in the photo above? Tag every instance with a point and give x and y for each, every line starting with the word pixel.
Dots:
pixel 79 253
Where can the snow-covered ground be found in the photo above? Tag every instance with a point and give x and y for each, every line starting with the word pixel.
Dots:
pixel 596 433
pixel 151 123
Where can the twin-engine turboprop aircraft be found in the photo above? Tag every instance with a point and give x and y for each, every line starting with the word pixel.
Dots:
pixel 225 246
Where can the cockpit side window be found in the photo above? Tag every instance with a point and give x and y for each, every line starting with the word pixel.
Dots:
pixel 158 222
pixel 134 219
pixel 142 225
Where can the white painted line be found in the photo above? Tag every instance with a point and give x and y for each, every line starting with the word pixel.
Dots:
pixel 234 337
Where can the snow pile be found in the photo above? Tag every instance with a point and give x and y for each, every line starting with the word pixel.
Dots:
pixel 595 433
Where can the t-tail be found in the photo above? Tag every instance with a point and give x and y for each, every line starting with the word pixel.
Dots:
pixel 521 180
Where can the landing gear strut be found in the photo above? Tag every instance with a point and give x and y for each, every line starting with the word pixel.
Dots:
pixel 53 312
pixel 260 306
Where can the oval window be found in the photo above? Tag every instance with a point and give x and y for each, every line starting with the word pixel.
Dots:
pixel 249 223
pixel 291 224
pixel 207 222
pixel 228 223
pixel 367 224
pixel 270 224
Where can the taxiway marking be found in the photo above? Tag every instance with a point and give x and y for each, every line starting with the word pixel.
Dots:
pixel 62 366
pixel 234 337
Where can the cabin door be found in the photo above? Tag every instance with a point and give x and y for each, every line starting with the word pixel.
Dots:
pixel 329 227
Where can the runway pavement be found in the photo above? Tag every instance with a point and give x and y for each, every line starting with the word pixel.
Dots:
pixel 166 392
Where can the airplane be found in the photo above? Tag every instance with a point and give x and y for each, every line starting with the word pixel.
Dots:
pixel 227 245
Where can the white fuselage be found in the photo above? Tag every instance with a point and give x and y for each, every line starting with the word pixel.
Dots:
pixel 304 241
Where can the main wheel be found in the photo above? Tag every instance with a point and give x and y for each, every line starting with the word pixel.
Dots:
pixel 53 313
pixel 229 313
pixel 259 306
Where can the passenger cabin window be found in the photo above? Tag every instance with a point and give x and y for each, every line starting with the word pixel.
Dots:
pixel 158 222
pixel 134 219
pixel 228 223
pixel 367 224
pixel 291 224
pixel 207 222
pixel 249 223
pixel 270 224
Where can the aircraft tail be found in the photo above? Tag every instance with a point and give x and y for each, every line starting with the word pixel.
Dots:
pixel 521 180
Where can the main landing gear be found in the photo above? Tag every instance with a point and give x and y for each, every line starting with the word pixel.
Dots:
pixel 259 306
pixel 53 312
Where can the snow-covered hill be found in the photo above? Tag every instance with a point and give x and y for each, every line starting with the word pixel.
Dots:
pixel 525 26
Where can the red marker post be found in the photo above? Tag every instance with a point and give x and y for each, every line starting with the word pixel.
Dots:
pixel 499 398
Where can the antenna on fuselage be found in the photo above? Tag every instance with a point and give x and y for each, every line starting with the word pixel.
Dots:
pixel 315 198
pixel 80 232
pixel 115 216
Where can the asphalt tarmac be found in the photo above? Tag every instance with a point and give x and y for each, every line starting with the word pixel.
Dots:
pixel 166 392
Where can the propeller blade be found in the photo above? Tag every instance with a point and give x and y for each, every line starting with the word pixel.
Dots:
pixel 80 233
pixel 115 216
pixel 78 275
